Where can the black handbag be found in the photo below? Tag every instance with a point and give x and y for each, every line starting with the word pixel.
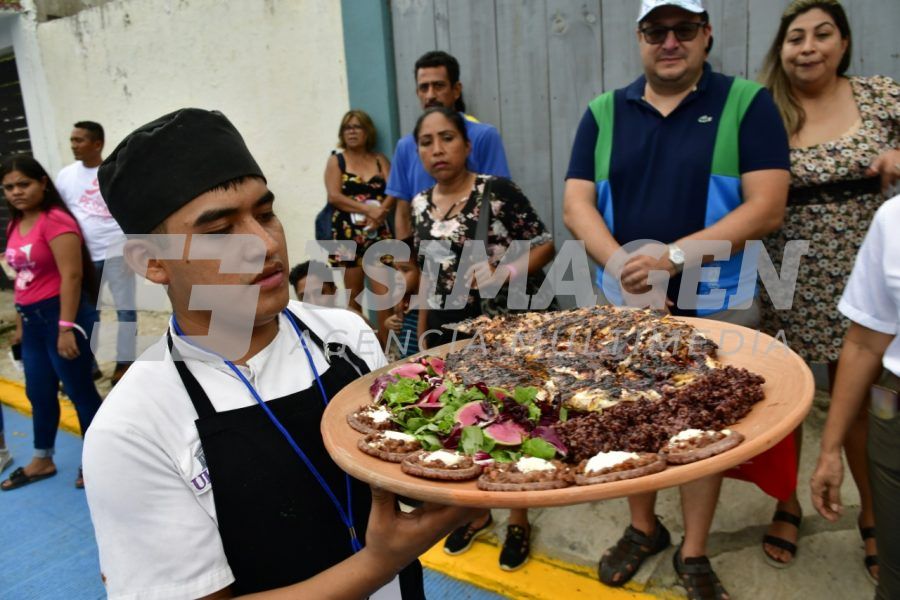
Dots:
pixel 499 304
pixel 323 219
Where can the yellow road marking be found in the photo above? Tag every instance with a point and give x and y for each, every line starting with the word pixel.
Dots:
pixel 12 393
pixel 542 577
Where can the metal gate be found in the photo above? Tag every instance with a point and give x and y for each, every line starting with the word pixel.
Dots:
pixel 13 130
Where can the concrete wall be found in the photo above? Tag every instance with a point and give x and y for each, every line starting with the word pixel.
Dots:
pixel 274 67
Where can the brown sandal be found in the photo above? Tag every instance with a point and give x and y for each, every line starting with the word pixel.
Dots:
pixel 698 578
pixel 619 564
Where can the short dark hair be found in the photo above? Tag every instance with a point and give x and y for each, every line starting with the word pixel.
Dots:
pixel 298 272
pixel 459 122
pixel 439 58
pixel 302 270
pixel 92 127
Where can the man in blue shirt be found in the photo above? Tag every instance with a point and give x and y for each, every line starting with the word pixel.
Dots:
pixel 438 84
pixel 682 154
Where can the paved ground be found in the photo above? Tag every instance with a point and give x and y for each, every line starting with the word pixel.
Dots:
pixel 48 550
pixel 829 564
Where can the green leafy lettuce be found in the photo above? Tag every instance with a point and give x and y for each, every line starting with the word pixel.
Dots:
pixel 538 448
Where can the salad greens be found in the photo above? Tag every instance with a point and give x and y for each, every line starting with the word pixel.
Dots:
pixel 425 404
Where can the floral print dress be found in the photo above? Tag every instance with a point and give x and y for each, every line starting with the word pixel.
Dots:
pixel 512 218
pixel 347 226
pixel 831 203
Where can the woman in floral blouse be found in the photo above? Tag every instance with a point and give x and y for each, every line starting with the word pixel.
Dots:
pixel 449 212
pixel 844 134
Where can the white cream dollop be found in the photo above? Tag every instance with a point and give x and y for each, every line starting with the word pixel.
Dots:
pixel 605 460
pixel 448 458
pixel 528 464
pixel 687 434
pixel 380 415
pixel 398 435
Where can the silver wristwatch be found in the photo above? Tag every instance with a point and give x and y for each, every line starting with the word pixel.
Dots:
pixel 676 257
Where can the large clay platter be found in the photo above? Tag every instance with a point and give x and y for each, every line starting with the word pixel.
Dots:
pixel 788 390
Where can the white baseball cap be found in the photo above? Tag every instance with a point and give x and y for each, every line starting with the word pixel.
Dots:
pixel 647 6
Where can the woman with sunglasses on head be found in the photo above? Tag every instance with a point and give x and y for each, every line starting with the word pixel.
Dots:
pixel 355 180
pixel 54 279
pixel 450 212
pixel 844 135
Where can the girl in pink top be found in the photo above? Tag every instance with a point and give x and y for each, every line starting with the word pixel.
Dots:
pixel 53 272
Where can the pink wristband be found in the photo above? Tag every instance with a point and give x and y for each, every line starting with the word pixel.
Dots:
pixel 513 271
pixel 67 324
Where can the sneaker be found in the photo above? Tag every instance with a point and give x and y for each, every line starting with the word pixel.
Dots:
pixel 6 459
pixel 515 548
pixel 462 538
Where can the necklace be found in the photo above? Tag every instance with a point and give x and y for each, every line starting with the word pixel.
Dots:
pixel 346 514
pixel 451 207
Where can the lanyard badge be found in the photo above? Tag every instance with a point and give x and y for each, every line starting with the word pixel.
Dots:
pixel 346 516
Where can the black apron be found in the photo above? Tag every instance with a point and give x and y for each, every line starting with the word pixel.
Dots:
pixel 277 524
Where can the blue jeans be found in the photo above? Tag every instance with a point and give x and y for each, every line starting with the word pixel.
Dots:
pixel 121 283
pixel 45 368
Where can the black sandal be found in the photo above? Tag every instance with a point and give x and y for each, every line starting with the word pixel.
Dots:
pixel 698 578
pixel 19 478
pixel 619 564
pixel 870 560
pixel 790 547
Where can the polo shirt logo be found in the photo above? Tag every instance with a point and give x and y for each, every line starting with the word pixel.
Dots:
pixel 705 119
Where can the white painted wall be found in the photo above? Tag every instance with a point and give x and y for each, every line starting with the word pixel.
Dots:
pixel 274 67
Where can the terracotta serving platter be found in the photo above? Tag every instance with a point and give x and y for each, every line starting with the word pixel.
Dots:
pixel 788 391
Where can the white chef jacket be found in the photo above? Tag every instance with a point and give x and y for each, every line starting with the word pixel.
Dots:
pixel 151 505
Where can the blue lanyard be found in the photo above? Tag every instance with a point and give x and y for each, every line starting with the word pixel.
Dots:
pixel 346 516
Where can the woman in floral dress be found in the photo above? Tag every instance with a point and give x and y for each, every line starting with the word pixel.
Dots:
pixel 355 180
pixel 844 134
pixel 449 212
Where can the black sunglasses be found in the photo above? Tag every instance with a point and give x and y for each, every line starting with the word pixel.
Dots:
pixel 684 32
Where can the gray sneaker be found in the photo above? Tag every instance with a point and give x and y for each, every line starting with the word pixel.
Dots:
pixel 6 459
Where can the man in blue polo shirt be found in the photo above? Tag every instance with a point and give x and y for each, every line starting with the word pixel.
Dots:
pixel 438 84
pixel 682 154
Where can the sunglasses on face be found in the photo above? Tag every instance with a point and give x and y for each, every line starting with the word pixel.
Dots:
pixel 352 127
pixel 684 32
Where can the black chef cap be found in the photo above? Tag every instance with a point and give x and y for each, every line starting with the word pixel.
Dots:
pixel 165 164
